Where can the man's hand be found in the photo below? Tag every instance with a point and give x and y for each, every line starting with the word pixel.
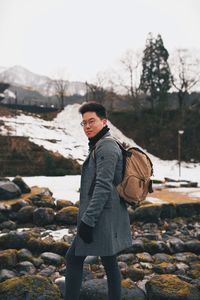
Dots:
pixel 85 232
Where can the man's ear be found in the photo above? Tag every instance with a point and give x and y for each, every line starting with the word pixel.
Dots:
pixel 105 122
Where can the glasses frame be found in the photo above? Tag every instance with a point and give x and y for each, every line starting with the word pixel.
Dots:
pixel 89 122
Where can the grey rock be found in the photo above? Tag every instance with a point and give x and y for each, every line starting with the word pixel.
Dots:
pixel 47 271
pixel 52 258
pixel 127 258
pixel 6 274
pixel 97 289
pixel 91 260
pixel 22 185
pixel 193 246
pixel 25 214
pixel 9 190
pixel 24 254
pixel 176 245
pixel 11 225
pixel 26 267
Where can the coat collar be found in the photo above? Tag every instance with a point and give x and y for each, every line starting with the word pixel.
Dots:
pixel 91 150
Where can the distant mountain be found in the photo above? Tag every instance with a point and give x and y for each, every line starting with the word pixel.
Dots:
pixel 2 69
pixel 19 76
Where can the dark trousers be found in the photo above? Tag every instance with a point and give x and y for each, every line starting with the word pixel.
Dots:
pixel 74 273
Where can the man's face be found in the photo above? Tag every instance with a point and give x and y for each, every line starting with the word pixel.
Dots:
pixel 92 124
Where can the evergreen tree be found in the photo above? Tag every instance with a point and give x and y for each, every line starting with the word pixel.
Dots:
pixel 155 80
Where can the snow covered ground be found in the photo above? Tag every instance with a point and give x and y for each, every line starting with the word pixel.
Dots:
pixel 65 135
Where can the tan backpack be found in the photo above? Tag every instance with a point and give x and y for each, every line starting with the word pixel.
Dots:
pixel 136 182
pixel 137 172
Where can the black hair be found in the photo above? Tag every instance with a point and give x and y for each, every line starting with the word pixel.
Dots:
pixel 99 109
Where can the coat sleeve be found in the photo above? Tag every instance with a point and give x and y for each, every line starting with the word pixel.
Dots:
pixel 106 154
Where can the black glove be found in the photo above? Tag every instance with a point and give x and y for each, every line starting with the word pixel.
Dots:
pixel 85 232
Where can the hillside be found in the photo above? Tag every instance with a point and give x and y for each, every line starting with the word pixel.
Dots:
pixel 20 156
pixel 61 136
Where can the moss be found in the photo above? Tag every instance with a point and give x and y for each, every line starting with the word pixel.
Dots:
pixel 29 287
pixel 37 245
pixel 71 209
pixel 170 284
pixel 14 240
pixel 164 265
pixel 127 283
pixel 195 272
pixel 8 258
pixel 67 215
pixel 63 203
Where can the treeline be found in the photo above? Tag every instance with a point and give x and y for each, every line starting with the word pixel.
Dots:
pixel 147 79
pixel 160 138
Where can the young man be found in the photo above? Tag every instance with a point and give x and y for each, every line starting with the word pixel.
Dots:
pixel 103 221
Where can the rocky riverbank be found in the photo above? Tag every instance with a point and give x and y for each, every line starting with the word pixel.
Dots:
pixel 36 231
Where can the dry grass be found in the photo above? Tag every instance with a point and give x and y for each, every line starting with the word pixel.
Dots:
pixel 173 197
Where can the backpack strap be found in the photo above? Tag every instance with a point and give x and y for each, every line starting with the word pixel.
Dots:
pixel 125 152
pixel 100 141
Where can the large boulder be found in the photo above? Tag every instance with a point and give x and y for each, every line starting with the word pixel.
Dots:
pixel 37 245
pixel 149 212
pixel 170 287
pixel 29 287
pixel 97 289
pixel 21 184
pixel 9 190
pixel 14 240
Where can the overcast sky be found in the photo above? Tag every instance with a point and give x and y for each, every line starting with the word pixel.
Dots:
pixel 84 37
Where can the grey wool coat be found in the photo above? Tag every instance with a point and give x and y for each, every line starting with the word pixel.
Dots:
pixel 100 205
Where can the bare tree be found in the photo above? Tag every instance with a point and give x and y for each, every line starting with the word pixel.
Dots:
pixel 185 68
pixel 130 75
pixel 60 89
pixel 96 90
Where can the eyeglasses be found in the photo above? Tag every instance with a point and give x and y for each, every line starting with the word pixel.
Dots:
pixel 89 122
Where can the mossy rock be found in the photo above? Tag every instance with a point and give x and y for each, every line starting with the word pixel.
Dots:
pixel 37 245
pixel 8 258
pixel 170 287
pixel 77 203
pixel 18 204
pixel 154 246
pixel 67 215
pixel 164 268
pixel 14 240
pixel 43 216
pixel 96 289
pixel 195 270
pixel 127 283
pixel 63 203
pixel 168 211
pixel 25 214
pixel 29 287
pixel 134 273
pixel 149 212
pixel 46 201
